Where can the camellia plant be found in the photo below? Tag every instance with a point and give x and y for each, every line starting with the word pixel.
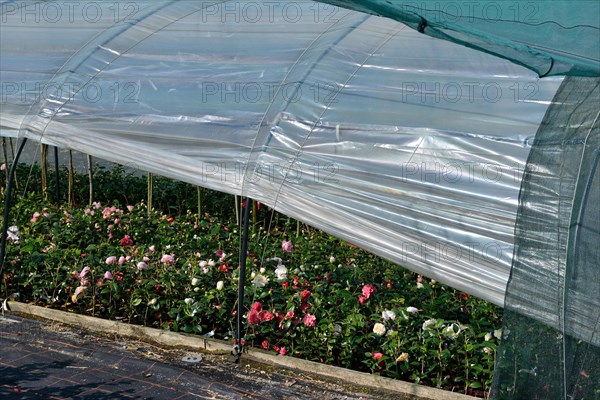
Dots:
pixel 310 296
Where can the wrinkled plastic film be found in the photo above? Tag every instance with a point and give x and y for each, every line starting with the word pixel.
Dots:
pixel 410 147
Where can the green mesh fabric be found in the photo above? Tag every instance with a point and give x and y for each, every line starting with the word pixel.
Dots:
pixel 555 273
pixel 550 37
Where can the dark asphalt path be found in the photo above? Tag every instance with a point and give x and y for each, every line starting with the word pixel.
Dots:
pixel 43 360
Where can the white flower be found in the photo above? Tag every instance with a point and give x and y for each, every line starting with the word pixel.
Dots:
pixel 412 310
pixel 498 333
pixel 205 270
pixel 196 289
pixel 281 272
pixel 332 259
pixel 203 263
pixel 13 233
pixel 402 357
pixel 260 281
pixel 211 263
pixel 253 275
pixel 189 300
pixel 387 315
pixel 152 302
pixel 428 323
pixel 220 285
pixel 195 281
pixel 390 332
pixel 379 329
pixel 419 285
pixel 452 331
pixel 488 337
pixel 487 350
pixel 262 270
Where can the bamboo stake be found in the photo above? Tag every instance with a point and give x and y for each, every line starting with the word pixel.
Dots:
pixel 149 193
pixel 199 189
pixel 44 171
pixel 90 179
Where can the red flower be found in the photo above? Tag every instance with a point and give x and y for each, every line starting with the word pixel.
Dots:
pixel 368 290
pixel 377 356
pixel 309 320
pixel 256 307
pixel 362 299
pixel 305 294
pixel 267 316
pixel 253 318
pixel 464 296
pixel 265 345
pixel 285 284
pixel 170 219
pixel 126 241
pixel 224 267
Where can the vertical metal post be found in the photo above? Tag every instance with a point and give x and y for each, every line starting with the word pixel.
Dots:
pixel 57 174
pixel 9 186
pixel 238 348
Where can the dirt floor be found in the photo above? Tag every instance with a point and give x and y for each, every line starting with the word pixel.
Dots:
pixel 44 360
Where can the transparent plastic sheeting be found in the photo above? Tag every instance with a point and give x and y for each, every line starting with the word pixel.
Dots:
pixel 558 37
pixel 408 146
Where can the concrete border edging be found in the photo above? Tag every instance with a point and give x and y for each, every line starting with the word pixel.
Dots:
pixel 173 339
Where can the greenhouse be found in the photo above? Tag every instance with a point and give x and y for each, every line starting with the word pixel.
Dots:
pixel 460 140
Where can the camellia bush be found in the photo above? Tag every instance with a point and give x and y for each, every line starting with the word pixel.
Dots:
pixel 308 295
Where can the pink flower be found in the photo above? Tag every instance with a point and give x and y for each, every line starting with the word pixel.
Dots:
pixel 287 246
pixel 108 275
pixel 219 253
pixel 253 318
pixel 267 316
pixel 167 259
pixel 84 272
pixel 309 320
pixel 361 299
pixel 151 248
pixel 265 345
pixel 111 260
pixel 130 208
pixel 122 259
pixel 289 315
pixel 377 356
pixel 3 167
pixel 142 266
pixel 368 290
pixel 282 351
pixel 36 216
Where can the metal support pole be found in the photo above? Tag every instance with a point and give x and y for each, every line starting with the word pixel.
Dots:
pixel 9 186
pixel 238 347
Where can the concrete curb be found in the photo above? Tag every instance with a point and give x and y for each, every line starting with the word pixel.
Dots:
pixel 171 339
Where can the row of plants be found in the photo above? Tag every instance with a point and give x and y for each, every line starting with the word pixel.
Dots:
pixel 308 295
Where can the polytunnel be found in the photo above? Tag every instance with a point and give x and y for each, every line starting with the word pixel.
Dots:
pixel 458 139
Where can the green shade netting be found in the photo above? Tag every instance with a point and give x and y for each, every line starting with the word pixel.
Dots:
pixel 555 275
pixel 550 37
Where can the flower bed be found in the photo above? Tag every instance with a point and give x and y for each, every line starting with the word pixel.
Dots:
pixel 310 296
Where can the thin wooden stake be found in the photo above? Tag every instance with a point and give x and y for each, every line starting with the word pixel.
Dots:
pixel 150 187
pixel 44 154
pixel 90 179
pixel 71 195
